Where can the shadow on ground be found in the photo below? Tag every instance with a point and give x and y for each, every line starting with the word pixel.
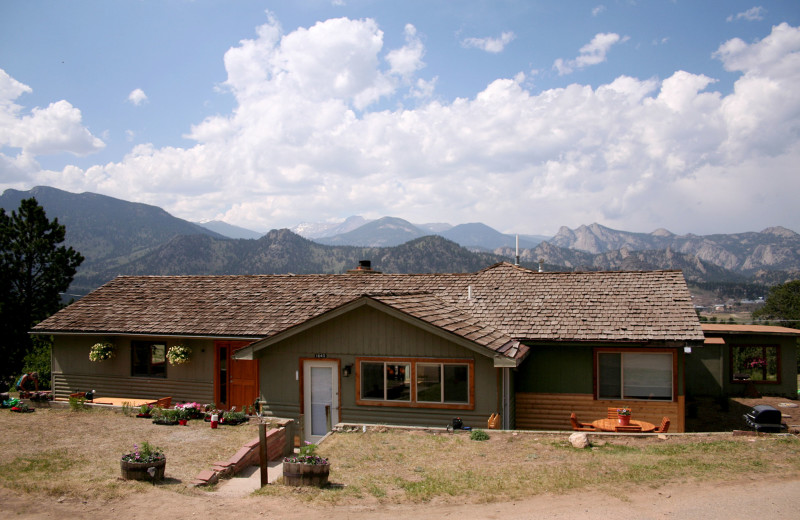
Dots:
pixel 709 414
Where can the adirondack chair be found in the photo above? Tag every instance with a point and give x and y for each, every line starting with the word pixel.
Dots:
pixel 164 402
pixel 664 426
pixel 579 426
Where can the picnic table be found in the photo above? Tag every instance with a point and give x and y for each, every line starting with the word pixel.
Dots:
pixel 610 425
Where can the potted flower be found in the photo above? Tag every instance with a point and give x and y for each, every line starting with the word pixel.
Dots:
pixel 101 351
pixel 624 416
pixel 21 407
pixel 145 463
pixel 182 414
pixel 233 418
pixel 306 469
pixel 193 410
pixel 178 354
pixel 168 416
pixel 145 411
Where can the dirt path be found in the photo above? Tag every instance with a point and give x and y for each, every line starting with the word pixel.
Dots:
pixel 709 501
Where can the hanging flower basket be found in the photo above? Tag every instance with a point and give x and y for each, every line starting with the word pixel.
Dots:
pixel 178 354
pixel 101 352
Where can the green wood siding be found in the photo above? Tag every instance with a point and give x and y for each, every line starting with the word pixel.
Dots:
pixel 367 331
pixel 556 369
pixel 73 372
pixel 708 368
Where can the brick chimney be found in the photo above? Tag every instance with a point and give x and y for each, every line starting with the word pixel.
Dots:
pixel 364 267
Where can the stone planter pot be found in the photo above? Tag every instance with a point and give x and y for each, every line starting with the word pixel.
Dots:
pixel 138 470
pixel 296 474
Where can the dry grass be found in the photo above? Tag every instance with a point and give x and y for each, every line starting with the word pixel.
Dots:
pixel 400 466
pixel 59 452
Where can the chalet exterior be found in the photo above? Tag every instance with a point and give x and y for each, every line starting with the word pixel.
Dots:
pixel 389 348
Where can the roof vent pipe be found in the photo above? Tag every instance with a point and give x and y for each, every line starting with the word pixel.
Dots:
pixel 541 262
pixel 469 292
pixel 516 258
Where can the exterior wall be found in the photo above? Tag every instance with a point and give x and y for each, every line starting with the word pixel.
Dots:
pixel 369 332
pixel 706 369
pixel 709 371
pixel 74 372
pixel 556 380
pixel 540 411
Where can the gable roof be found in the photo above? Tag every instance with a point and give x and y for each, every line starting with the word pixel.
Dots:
pixel 493 307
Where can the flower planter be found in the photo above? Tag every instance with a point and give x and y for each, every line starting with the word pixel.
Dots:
pixel 624 420
pixel 297 474
pixel 138 470
pixel 164 422
pixel 144 416
pixel 183 422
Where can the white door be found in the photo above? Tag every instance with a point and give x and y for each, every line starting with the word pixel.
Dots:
pixel 321 391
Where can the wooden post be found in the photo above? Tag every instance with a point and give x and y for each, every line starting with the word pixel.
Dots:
pixel 262 437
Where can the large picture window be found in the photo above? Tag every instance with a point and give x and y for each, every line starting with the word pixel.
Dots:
pixel 757 363
pixel 148 359
pixel 431 383
pixel 635 375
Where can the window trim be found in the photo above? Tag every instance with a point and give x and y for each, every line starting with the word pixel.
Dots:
pixel 150 365
pixel 611 350
pixel 731 370
pixel 413 403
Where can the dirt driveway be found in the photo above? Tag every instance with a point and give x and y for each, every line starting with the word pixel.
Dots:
pixel 709 501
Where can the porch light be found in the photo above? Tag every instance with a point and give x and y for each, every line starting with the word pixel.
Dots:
pixel 346 370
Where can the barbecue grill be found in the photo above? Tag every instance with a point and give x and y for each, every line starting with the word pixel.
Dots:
pixel 764 418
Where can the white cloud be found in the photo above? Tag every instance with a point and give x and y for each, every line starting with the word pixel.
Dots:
pixel 598 10
pixel 54 129
pixel 408 59
pixel 647 153
pixel 137 97
pixel 592 53
pixel 488 44
pixel 751 15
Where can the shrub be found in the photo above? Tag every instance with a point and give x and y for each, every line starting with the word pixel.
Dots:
pixel 479 435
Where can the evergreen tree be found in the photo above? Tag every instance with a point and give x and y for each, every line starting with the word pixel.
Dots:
pixel 34 270
pixel 782 305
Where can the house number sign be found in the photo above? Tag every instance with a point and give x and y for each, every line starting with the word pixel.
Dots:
pixel 320 356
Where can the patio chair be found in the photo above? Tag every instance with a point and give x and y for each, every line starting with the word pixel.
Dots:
pixel 82 395
pixel 631 428
pixel 612 411
pixel 664 426
pixel 579 426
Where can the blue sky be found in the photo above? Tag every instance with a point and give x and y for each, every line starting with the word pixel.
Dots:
pixel 526 116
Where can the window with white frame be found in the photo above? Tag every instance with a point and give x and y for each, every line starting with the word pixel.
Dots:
pixel 635 375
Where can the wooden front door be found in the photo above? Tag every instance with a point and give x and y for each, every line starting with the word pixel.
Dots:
pixel 235 380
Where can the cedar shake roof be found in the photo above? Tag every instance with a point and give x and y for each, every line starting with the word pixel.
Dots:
pixel 727 328
pixel 508 304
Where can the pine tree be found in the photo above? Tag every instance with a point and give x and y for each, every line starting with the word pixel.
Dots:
pixel 34 270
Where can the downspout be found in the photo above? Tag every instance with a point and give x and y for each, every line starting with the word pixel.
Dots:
pixel 506 398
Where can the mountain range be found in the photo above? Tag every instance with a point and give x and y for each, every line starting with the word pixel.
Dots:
pixel 120 237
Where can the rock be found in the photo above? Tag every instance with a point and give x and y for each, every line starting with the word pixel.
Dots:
pixel 579 440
